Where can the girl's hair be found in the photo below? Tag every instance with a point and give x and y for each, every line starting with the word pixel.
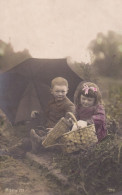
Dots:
pixel 87 89
pixel 59 81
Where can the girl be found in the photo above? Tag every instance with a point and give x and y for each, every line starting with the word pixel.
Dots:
pixel 89 107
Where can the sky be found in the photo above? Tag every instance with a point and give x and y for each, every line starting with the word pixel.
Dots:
pixel 57 28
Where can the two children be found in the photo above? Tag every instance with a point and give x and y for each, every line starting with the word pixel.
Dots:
pixel 88 107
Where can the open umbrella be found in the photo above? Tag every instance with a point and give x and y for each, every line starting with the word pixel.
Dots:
pixel 26 87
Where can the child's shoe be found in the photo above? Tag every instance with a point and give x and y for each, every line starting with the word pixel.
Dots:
pixel 36 141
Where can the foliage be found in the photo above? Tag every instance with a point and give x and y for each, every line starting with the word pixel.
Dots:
pixel 107 50
pixel 9 58
pixel 89 74
pixel 113 105
pixel 94 171
pixel 85 71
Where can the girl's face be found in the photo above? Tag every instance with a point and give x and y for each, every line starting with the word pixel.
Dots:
pixel 87 101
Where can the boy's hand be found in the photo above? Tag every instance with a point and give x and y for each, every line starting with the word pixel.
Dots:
pixel 34 114
pixel 49 130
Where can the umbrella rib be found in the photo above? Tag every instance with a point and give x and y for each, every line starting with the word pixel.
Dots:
pixel 35 85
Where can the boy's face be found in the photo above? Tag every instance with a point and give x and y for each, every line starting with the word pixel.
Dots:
pixel 59 92
pixel 87 101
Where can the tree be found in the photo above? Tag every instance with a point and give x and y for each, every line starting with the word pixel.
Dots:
pixel 107 50
pixel 9 58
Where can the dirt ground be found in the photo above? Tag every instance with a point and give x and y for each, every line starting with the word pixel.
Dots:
pixel 17 175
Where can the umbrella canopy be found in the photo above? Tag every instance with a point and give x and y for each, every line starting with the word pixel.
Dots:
pixel 26 87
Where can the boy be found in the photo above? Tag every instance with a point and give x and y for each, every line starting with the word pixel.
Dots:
pixel 57 108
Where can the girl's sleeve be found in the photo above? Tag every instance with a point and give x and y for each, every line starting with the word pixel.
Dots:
pixel 100 122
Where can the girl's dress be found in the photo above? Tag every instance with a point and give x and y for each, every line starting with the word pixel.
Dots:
pixel 96 115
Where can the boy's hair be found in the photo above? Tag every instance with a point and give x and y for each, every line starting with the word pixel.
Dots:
pixel 87 89
pixel 59 81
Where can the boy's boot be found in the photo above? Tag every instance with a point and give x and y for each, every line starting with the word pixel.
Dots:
pixel 36 141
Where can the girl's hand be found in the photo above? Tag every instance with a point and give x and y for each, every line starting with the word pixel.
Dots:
pixel 34 114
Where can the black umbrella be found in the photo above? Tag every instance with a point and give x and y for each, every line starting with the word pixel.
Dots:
pixel 26 87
